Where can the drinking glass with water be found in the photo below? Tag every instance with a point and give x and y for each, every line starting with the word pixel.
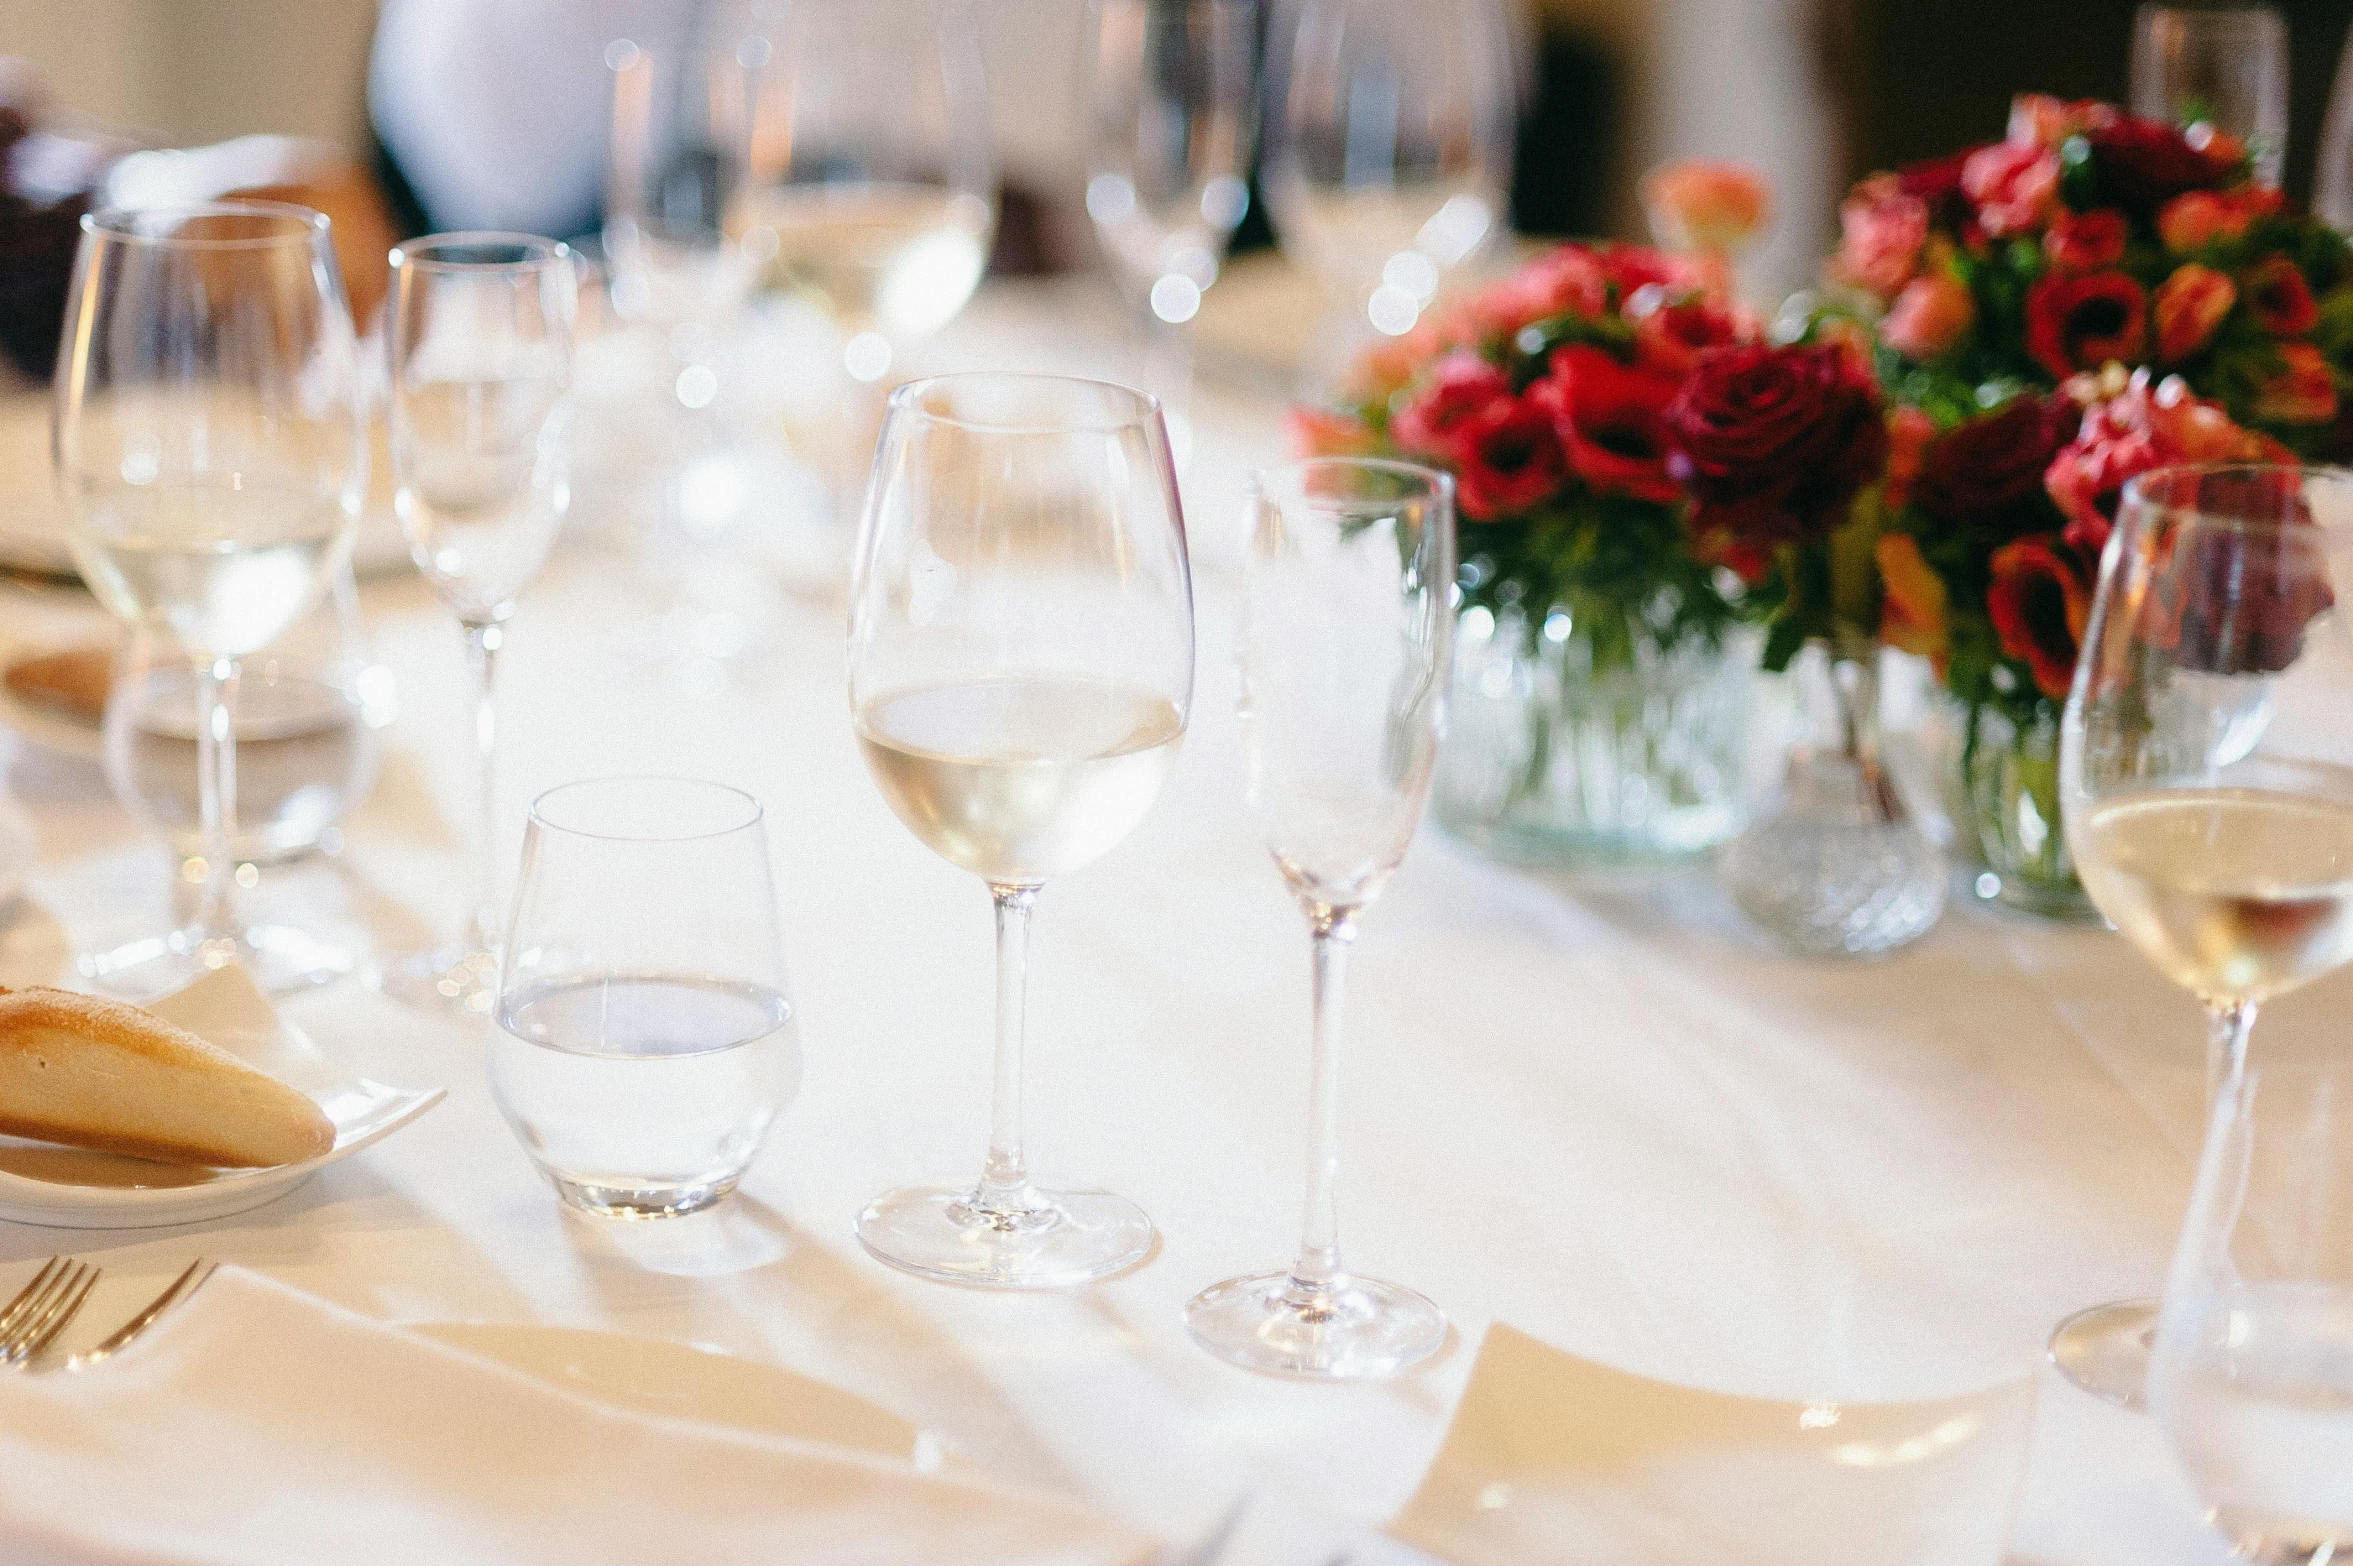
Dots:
pixel 646 1036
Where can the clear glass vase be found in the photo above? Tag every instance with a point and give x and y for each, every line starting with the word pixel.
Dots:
pixel 2009 777
pixel 1548 761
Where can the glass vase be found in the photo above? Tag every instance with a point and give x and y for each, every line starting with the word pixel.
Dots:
pixel 2009 776
pixel 1550 761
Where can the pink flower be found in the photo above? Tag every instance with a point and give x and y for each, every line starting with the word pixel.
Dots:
pixel 1672 335
pixel 2190 305
pixel 2130 431
pixel 1930 315
pixel 2304 391
pixel 1714 208
pixel 2016 187
pixel 2087 241
pixel 1458 387
pixel 1883 230
pixel 1567 280
pixel 2198 218
pixel 2280 298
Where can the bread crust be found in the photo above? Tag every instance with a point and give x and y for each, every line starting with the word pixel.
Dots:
pixel 97 1073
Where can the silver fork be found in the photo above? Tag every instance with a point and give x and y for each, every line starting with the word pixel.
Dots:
pixel 40 1311
pixel 185 1284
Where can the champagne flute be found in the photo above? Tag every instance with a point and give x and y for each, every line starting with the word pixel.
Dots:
pixel 2216 68
pixel 1346 636
pixel 1388 150
pixel 1168 158
pixel 481 457
pixel 2206 770
pixel 210 444
pixel 1021 668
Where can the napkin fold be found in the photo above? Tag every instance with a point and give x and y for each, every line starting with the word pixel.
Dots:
pixel 258 1426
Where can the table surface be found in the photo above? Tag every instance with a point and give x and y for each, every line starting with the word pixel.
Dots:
pixel 1594 1108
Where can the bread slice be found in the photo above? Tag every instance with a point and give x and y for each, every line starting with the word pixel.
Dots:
pixel 96 1073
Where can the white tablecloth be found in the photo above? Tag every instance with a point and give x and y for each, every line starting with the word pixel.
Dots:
pixel 1596 1110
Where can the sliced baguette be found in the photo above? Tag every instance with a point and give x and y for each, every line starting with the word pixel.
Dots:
pixel 96 1073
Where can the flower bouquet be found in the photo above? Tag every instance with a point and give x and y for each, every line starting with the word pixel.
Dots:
pixel 2092 297
pixel 1601 665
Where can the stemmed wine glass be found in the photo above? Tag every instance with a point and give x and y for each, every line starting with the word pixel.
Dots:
pixel 1388 127
pixel 2332 179
pixel 1346 636
pixel 1170 123
pixel 2206 770
pixel 1021 668
pixel 2216 68
pixel 210 444
pixel 481 454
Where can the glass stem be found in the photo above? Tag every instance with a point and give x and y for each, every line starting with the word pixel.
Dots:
pixel 216 794
pixel 1319 1238
pixel 2227 1027
pixel 1005 1191
pixel 483 639
pixel 1168 375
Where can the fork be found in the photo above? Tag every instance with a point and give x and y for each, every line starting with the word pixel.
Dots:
pixel 41 1309
pixel 185 1284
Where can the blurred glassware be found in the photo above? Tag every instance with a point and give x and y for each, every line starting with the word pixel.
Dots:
pixel 2332 181
pixel 646 1034
pixel 1388 149
pixel 481 339
pixel 671 169
pixel 2206 782
pixel 1170 124
pixel 1346 627
pixel 210 441
pixel 310 707
pixel 866 181
pixel 2216 68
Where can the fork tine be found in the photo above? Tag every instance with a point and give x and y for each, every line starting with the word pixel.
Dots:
pixel 18 1344
pixel 185 1284
pixel 26 1296
pixel 61 1313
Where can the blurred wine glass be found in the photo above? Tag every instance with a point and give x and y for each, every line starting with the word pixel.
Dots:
pixel 2332 183
pixel 671 168
pixel 2214 68
pixel 210 444
pixel 1388 131
pixel 1170 122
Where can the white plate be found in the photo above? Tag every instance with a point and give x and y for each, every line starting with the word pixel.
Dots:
pixel 73 1188
pixel 650 1376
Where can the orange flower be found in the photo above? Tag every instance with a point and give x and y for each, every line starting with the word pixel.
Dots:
pixel 2039 604
pixel 1323 432
pixel 1909 430
pixel 1930 315
pixel 2198 218
pixel 1912 609
pixel 1712 208
pixel 2304 392
pixel 2190 305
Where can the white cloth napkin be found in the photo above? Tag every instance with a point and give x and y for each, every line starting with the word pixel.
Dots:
pixel 257 1426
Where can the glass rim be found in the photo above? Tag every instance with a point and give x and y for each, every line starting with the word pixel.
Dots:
pixel 754 811
pixel 539 251
pixel 124 224
pixel 908 400
pixel 1437 480
pixel 2136 495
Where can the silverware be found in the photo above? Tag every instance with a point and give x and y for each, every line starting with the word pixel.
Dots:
pixel 185 1284
pixel 39 1313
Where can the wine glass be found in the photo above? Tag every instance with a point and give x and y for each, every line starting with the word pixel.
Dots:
pixel 1346 634
pixel 1021 668
pixel 1168 158
pixel 210 444
pixel 1388 128
pixel 2206 770
pixel 481 456
pixel 2332 180
pixel 671 163
pixel 646 1037
pixel 2216 68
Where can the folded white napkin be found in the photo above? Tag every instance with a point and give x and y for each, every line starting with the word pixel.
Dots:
pixel 257 1426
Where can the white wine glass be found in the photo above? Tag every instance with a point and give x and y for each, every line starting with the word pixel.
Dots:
pixel 2216 68
pixel 2332 179
pixel 1170 123
pixel 1347 631
pixel 2206 771
pixel 481 462
pixel 210 443
pixel 646 1038
pixel 1388 130
pixel 672 161
pixel 1021 670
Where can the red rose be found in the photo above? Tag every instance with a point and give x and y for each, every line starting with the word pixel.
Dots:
pixel 1459 386
pixel 1671 338
pixel 2039 602
pixel 2143 163
pixel 2015 186
pixel 1988 472
pixel 2080 323
pixel 2190 306
pixel 1773 443
pixel 2086 241
pixel 1506 458
pixel 2282 302
pixel 1606 417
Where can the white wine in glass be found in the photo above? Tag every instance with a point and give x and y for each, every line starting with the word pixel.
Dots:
pixel 209 441
pixel 1021 670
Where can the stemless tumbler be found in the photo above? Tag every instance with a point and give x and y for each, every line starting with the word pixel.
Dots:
pixel 645 1034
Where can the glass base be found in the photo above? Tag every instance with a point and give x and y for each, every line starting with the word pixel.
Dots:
pixel 2105 1351
pixel 447 978
pixel 280 959
pixel 631 1202
pixel 1351 1327
pixel 938 1231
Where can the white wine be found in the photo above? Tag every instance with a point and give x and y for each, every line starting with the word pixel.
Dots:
pixel 1023 777
pixel 901 259
pixel 483 484
pixel 2237 894
pixel 225 564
